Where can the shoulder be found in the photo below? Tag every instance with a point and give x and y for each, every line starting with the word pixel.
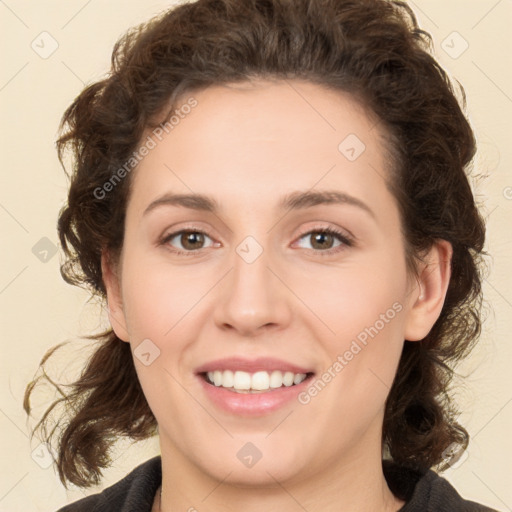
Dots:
pixel 134 493
pixel 427 491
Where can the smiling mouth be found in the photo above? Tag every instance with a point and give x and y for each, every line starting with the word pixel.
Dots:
pixel 253 383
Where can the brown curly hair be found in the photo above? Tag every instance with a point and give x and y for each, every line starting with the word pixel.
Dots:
pixel 372 49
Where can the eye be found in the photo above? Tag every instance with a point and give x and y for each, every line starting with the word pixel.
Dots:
pixel 322 240
pixel 190 241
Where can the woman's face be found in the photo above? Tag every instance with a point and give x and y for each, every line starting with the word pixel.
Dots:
pixel 258 279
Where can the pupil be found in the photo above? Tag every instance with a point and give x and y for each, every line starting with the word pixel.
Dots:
pixel 192 239
pixel 321 237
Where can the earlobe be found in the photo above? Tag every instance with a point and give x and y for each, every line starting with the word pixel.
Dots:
pixel 428 297
pixel 114 299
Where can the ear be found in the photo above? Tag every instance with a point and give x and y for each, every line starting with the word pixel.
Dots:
pixel 427 298
pixel 114 298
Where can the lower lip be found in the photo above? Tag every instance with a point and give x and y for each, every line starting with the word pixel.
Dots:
pixel 252 404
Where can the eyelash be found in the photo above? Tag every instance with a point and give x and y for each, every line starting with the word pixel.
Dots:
pixel 342 237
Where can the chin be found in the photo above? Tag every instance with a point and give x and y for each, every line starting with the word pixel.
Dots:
pixel 255 461
pixel 264 475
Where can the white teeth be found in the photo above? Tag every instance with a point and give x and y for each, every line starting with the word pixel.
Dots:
pixel 242 380
pixel 228 378
pixel 217 378
pixel 259 381
pixel 288 378
pixel 298 378
pixel 276 379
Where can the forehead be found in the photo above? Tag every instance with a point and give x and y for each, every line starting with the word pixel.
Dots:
pixel 274 109
pixel 246 136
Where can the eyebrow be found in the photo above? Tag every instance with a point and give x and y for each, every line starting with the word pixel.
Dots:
pixel 293 201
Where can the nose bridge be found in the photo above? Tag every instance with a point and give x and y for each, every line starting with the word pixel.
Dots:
pixel 251 297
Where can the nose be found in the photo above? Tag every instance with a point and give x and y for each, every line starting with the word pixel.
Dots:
pixel 253 298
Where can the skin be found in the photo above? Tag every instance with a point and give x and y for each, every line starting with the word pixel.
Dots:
pixel 248 145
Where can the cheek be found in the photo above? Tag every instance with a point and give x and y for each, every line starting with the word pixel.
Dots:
pixel 359 317
pixel 157 296
pixel 360 357
pixel 349 299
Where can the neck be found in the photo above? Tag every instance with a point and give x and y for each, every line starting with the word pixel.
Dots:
pixel 355 484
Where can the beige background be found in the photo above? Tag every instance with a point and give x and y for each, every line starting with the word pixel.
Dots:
pixel 39 310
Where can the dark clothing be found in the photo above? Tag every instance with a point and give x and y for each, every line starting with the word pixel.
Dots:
pixel 426 492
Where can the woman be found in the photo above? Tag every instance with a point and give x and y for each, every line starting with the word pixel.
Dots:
pixel 271 196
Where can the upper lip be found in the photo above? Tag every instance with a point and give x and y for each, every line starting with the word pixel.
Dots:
pixel 268 364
